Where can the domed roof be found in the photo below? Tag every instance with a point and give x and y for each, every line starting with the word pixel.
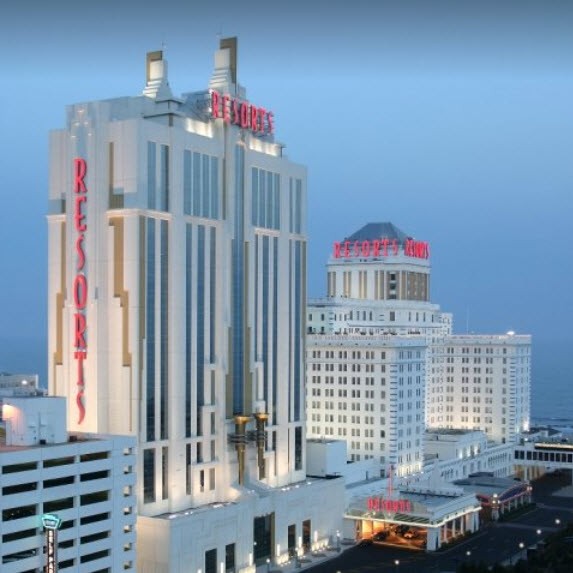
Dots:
pixel 372 231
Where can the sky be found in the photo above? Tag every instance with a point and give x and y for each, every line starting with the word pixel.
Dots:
pixel 451 119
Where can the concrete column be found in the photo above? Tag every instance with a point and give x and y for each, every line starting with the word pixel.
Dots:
pixel 433 541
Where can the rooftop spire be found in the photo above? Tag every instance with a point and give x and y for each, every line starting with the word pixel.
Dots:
pixel 156 85
pixel 224 76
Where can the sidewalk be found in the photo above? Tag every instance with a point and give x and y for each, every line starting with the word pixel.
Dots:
pixel 306 561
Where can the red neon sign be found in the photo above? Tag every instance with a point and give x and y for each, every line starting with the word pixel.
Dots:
pixel 80 284
pixel 389 505
pixel 241 113
pixel 381 248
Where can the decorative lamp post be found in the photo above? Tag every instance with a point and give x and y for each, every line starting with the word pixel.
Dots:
pixel 338 540
pixel 268 565
pixel 397 563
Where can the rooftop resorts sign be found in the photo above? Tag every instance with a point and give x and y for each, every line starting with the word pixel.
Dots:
pixel 383 247
pixel 242 113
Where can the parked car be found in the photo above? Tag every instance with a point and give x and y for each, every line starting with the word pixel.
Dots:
pixel 380 535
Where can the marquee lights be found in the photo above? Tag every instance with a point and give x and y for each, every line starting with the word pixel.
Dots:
pixel 80 285
pixel 381 248
pixel 242 113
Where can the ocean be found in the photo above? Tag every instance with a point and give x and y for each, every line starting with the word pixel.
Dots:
pixel 552 382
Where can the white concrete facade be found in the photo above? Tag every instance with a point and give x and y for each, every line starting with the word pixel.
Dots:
pixel 86 481
pixel 369 391
pixel 177 292
pixel 378 305
pixel 485 385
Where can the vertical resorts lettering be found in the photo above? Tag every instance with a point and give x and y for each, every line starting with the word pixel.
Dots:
pixel 80 286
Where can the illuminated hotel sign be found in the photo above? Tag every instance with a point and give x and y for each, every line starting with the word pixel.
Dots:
pixel 381 248
pixel 51 524
pixel 80 286
pixel 242 113
pixel 389 505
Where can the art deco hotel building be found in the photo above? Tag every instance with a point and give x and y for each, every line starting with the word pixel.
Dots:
pixel 177 273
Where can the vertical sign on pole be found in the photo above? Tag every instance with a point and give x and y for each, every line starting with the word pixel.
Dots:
pixel 51 524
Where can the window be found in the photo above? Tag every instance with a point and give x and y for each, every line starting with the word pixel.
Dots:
pixel 94 456
pixel 58 505
pixel 20 488
pixel 230 557
pixel 93 518
pixel 17 468
pixel 211 561
pixel 148 476
pixel 95 497
pixel 92 476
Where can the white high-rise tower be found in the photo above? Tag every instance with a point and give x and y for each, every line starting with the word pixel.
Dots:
pixel 177 281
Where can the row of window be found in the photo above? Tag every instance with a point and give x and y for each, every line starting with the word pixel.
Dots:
pixel 54 462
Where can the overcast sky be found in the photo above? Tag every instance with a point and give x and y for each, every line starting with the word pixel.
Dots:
pixel 453 120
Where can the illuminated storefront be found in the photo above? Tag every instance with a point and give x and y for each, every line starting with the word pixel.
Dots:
pixel 417 518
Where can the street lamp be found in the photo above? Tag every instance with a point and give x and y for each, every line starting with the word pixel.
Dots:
pixel 338 540
pixel 268 565
pixel 397 563
pixel 557 522
pixel 539 532
pixel 468 553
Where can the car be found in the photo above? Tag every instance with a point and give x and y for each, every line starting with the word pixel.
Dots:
pixel 365 541
pixel 380 536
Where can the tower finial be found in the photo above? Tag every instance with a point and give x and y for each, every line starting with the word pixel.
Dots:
pixel 157 85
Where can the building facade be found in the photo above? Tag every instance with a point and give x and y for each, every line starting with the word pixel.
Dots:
pixel 177 292
pixel 83 484
pixel 383 364
pixel 485 385
pixel 371 347
pixel 369 391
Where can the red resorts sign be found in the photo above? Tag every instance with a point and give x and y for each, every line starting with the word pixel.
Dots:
pixel 389 505
pixel 242 113
pixel 381 248
pixel 80 286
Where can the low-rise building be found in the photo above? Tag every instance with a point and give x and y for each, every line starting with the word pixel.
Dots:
pixel 67 499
